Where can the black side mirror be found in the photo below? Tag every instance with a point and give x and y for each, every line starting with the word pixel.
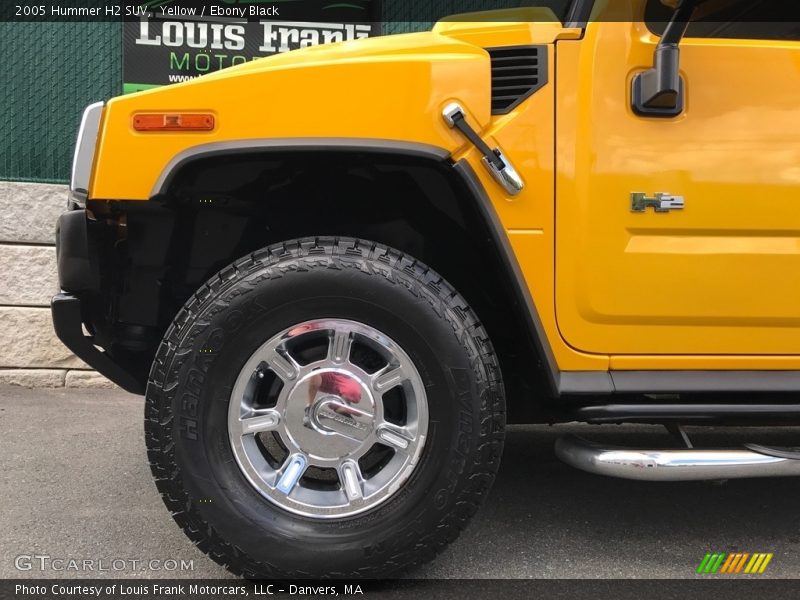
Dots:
pixel 658 92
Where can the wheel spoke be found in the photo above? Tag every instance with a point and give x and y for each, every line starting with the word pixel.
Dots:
pixel 394 436
pixel 341 342
pixel 283 366
pixel 303 412
pixel 291 473
pixel 263 421
pixel 387 378
pixel 350 476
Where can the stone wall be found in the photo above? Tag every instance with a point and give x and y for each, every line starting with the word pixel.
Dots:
pixel 30 353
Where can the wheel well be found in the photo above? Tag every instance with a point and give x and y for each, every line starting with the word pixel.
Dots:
pixel 219 208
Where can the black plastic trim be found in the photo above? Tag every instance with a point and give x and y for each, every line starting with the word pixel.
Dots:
pixel 640 109
pixel 381 146
pixel 513 271
pixel 705 381
pixel 585 382
pixel 373 146
pixel 677 382
pixel 78 270
pixel 542 74
pixel 660 90
pixel 67 322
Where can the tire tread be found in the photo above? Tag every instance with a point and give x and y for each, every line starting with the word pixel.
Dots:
pixel 399 269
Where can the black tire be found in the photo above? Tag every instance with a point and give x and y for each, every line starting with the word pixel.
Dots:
pixel 189 388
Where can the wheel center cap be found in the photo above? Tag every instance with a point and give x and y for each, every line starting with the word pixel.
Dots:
pixel 333 415
pixel 329 414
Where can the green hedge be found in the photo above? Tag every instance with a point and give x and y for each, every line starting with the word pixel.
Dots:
pixel 51 71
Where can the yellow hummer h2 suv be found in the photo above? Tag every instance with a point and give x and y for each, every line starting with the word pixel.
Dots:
pixel 334 273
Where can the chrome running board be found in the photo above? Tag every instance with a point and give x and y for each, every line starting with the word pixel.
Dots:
pixel 688 464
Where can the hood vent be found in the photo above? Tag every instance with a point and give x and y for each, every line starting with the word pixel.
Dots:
pixel 517 72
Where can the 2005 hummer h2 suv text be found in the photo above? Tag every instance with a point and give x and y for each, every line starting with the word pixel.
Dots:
pixel 335 272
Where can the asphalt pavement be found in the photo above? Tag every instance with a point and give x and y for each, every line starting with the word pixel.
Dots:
pixel 75 485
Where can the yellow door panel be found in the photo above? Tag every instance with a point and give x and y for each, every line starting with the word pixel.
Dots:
pixel 722 275
pixel 534 251
pixel 526 137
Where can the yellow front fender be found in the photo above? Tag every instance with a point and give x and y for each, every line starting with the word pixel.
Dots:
pixel 362 89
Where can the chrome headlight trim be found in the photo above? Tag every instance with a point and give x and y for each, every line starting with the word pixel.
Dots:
pixel 84 152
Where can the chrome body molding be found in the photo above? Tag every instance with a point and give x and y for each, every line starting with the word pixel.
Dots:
pixel 449 113
pixel 83 158
pixel 507 176
pixel 690 464
pixel 661 202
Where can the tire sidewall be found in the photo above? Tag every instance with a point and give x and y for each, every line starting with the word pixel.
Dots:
pixel 228 326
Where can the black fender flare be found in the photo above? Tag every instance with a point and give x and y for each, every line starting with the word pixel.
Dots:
pixel 464 173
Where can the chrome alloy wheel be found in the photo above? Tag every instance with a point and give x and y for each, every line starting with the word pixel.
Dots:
pixel 328 418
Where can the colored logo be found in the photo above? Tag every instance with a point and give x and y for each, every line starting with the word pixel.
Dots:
pixel 734 563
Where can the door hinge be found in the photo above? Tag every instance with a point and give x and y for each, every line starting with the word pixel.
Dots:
pixel 493 159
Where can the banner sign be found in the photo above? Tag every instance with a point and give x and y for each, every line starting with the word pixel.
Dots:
pixel 169 43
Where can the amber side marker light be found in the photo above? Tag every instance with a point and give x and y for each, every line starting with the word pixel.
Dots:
pixel 173 122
